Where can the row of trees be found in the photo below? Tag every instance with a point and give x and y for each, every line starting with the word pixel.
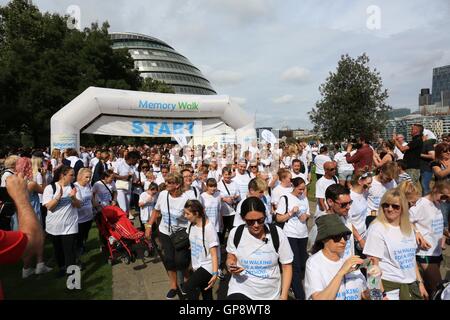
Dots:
pixel 44 65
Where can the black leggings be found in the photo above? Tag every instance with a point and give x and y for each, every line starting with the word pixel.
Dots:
pixel 227 226
pixel 298 247
pixel 83 233
pixel 65 249
pixel 174 260
pixel 237 296
pixel 197 282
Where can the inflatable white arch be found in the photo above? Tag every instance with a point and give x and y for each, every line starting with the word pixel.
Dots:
pixel 205 118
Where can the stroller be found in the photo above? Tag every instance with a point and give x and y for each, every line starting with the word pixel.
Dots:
pixel 123 240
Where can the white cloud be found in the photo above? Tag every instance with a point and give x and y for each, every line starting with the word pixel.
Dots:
pixel 296 75
pixel 224 77
pixel 239 100
pixel 286 99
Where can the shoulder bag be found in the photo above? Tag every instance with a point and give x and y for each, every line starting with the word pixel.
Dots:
pixel 179 238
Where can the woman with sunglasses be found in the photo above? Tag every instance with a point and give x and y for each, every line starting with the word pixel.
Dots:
pixel 391 244
pixel 441 170
pixel 426 217
pixel 328 275
pixel 254 256
pixel 361 183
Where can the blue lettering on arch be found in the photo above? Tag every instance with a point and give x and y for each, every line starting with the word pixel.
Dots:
pixel 178 127
pixel 151 126
pixel 190 126
pixel 164 129
pixel 137 127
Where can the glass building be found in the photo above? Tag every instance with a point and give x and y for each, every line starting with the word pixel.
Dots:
pixel 441 85
pixel 156 59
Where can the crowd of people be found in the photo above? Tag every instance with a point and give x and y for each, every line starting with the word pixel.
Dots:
pixel 247 214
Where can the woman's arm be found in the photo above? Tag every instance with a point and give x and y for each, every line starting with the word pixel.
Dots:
pixel 215 267
pixel 286 279
pixel 423 291
pixel 441 173
pixel 35 187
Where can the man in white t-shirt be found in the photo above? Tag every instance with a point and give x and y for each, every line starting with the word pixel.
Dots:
pixel 320 160
pixel 242 178
pixel 321 186
pixel 125 175
pixel 229 192
pixel 95 160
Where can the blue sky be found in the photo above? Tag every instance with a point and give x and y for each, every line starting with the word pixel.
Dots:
pixel 273 55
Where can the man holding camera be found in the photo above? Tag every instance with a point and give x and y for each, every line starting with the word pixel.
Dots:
pixel 362 159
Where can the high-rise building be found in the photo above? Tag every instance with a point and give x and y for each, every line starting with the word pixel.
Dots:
pixel 156 59
pixel 441 85
pixel 425 97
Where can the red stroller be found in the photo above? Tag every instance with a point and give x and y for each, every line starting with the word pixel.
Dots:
pixel 119 235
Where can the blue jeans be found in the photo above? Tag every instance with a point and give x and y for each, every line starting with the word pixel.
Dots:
pixel 298 247
pixel 425 179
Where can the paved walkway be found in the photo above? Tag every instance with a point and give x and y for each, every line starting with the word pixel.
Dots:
pixel 148 280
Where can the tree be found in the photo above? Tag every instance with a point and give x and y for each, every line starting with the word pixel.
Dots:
pixel 44 65
pixel 150 85
pixel 353 101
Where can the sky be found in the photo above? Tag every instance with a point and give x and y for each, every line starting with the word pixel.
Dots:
pixel 272 56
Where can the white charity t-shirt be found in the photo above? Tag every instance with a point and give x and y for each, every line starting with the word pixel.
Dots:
pixel 261 278
pixel 146 210
pixel 358 212
pixel 62 220
pixel 85 213
pixel 102 196
pixel 278 192
pixel 320 161
pixel 5 175
pixel 397 252
pixel 294 228
pixel 215 174
pixel 429 221
pixel 300 175
pixel 238 219
pixel 177 219
pixel 321 186
pixel 242 181
pixel 159 179
pixel 92 163
pixel 376 192
pixel 124 169
pixel 350 244
pixel 225 208
pixel 342 163
pixel 211 203
pixel 193 195
pixel 320 271
pixel 211 240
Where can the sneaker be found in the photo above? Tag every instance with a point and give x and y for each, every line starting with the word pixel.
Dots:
pixel 27 272
pixel 172 294
pixel 42 268
pixel 182 289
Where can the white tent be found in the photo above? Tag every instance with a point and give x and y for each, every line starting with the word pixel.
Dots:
pixel 205 118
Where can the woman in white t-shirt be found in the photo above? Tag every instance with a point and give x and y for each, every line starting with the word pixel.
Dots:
pixel 214 171
pixel 426 217
pixel 62 200
pixel 391 244
pixel 293 211
pixel 254 253
pixel 170 206
pixel 147 201
pixel 104 191
pixel 86 211
pixel 328 276
pixel 204 252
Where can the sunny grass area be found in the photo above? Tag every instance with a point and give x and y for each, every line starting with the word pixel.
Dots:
pixel 312 185
pixel 96 278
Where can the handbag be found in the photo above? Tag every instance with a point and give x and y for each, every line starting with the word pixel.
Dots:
pixel 179 237
pixel 122 185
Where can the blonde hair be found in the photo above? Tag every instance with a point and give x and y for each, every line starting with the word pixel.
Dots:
pixel 36 164
pixel 56 153
pixel 405 225
pixel 83 171
pixel 409 190
pixel 10 162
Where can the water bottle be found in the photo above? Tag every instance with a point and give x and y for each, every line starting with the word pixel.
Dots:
pixel 374 282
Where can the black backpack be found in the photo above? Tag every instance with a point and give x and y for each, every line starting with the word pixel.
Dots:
pixel 7 208
pixel 53 184
pixel 275 222
pixel 273 233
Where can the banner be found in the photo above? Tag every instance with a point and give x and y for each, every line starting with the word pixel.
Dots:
pixel 64 141
pixel 268 137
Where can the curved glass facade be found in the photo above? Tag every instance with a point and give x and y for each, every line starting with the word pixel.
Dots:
pixel 159 61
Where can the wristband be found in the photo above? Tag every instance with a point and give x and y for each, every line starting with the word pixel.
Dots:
pixel 147 225
pixel 215 273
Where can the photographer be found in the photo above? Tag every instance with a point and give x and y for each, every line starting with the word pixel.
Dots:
pixel 362 159
pixel 29 240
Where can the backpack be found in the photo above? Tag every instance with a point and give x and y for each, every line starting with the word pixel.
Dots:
pixel 7 208
pixel 53 184
pixel 273 233
pixel 281 224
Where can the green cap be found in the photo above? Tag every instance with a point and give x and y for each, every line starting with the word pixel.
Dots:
pixel 330 225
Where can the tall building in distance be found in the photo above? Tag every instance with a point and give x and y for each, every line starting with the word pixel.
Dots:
pixel 441 85
pixel 156 59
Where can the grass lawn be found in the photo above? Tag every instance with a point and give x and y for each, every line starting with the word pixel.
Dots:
pixel 96 278
pixel 312 185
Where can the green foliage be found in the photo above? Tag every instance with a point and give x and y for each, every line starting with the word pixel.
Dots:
pixel 150 85
pixel 44 65
pixel 353 101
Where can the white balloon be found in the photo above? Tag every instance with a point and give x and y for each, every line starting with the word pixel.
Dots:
pixel 268 136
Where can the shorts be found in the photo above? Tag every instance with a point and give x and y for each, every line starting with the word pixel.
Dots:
pixel 346 175
pixel 429 259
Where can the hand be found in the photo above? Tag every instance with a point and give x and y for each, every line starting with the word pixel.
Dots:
pixel 303 217
pixel 16 187
pixel 423 291
pixel 73 193
pixel 148 233
pixel 421 242
pixel 211 282
pixel 349 265
pixel 234 269
pixel 60 193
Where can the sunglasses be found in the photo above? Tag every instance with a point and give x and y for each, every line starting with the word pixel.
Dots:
pixel 365 175
pixel 145 167
pixel 444 198
pixel 330 169
pixel 344 204
pixel 337 238
pixel 251 222
pixel 387 205
pixel 253 166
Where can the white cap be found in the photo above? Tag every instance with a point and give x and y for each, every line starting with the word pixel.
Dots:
pixel 429 134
